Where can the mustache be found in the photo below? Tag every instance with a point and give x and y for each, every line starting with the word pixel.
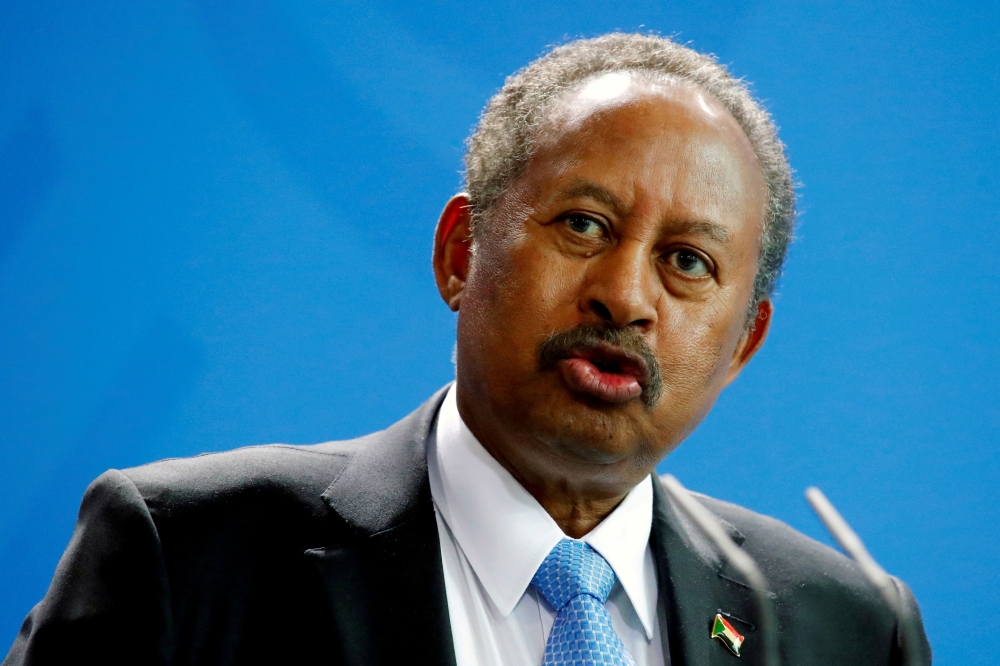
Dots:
pixel 600 337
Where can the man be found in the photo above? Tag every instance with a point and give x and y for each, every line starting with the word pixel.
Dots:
pixel 627 210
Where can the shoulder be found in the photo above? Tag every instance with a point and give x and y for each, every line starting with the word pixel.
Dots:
pixel 272 478
pixel 784 553
pixel 815 585
pixel 276 490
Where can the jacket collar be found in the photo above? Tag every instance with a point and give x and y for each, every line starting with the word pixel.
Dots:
pixel 385 584
pixel 385 481
pixel 695 584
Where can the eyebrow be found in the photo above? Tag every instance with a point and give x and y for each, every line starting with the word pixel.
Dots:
pixel 585 188
pixel 713 230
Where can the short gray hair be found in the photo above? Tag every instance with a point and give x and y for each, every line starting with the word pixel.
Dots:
pixel 503 142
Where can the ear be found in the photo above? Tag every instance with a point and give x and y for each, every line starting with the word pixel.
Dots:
pixel 452 250
pixel 752 340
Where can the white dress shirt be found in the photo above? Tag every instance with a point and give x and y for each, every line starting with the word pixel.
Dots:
pixel 494 535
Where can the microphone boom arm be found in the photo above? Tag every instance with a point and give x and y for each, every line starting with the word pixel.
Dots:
pixel 853 546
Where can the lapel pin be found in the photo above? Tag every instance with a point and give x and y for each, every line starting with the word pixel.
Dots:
pixel 724 631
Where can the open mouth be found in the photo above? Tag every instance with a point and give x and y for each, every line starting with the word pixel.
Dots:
pixel 605 372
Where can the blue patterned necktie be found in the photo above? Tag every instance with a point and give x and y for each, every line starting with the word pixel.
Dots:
pixel 576 580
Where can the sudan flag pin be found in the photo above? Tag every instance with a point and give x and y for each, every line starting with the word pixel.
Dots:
pixel 724 631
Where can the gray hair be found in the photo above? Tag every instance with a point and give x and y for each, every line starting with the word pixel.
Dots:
pixel 501 146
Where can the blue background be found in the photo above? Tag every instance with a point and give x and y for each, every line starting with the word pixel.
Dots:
pixel 215 228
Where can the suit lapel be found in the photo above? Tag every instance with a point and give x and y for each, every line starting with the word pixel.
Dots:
pixel 695 584
pixel 386 583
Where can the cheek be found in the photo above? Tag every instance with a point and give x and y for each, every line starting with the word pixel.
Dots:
pixel 698 343
pixel 516 295
pixel 523 277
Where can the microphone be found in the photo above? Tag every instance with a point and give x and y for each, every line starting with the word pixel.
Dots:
pixel 737 557
pixel 883 582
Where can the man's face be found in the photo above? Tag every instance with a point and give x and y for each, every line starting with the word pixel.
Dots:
pixel 629 245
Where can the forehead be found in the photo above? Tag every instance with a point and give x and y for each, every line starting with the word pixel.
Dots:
pixel 658 137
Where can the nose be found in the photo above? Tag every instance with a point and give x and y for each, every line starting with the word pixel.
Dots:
pixel 621 288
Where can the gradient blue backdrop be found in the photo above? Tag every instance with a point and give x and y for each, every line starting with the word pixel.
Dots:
pixel 215 226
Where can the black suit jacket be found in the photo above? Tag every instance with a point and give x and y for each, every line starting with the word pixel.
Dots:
pixel 329 554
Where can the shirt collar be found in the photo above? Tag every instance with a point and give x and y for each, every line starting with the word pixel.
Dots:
pixel 506 534
pixel 623 540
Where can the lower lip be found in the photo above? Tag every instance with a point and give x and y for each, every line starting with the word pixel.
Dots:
pixel 583 376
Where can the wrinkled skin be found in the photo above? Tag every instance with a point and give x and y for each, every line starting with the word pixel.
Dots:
pixel 641 209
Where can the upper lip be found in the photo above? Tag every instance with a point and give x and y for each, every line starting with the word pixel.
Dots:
pixel 620 361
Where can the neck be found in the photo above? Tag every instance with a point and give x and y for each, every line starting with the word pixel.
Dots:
pixel 576 518
pixel 577 494
pixel 575 502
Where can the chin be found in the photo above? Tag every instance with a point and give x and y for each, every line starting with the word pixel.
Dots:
pixel 590 429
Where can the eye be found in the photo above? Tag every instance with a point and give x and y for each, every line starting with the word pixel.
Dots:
pixel 690 263
pixel 586 226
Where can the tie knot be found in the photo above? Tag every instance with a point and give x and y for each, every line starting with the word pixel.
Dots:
pixel 573 568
